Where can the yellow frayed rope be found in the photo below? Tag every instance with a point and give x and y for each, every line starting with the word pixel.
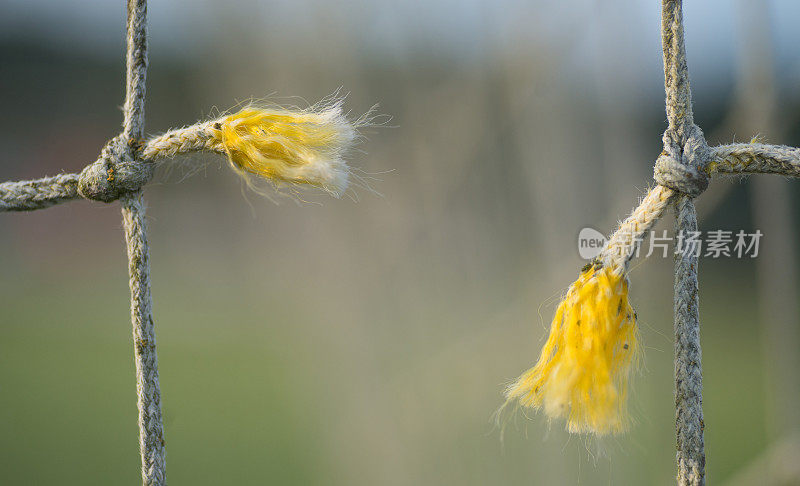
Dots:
pixel 283 146
pixel 584 367
pixel 582 372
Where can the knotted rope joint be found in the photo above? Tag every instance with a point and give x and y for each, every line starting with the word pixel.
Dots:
pixel 118 171
pixel 683 167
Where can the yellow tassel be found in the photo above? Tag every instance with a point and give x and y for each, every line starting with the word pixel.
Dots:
pixel 291 146
pixel 583 371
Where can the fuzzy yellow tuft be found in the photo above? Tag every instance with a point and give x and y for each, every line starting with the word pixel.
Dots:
pixel 290 146
pixel 583 371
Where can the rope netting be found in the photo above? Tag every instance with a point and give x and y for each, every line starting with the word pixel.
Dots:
pixel 586 385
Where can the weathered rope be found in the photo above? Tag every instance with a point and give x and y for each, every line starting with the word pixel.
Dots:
pixel 682 134
pixel 136 71
pixel 194 138
pixel 676 74
pixel 125 150
pixel 623 242
pixel 39 193
pixel 119 170
pixel 680 166
pixel 689 423
pixel 725 160
pixel 755 158
pixel 151 430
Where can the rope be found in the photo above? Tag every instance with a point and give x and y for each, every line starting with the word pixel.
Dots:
pixel 726 160
pixel 119 170
pixel 136 70
pixel 148 391
pixel 151 430
pixel 182 141
pixel 688 374
pixel 38 194
pixel 682 134
pixel 676 74
pixel 623 243
pixel 755 158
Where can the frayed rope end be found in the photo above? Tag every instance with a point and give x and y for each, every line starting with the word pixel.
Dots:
pixel 305 146
pixel 583 371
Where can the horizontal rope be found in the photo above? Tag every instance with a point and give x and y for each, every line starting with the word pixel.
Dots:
pixel 731 159
pixel 194 138
pixel 42 193
pixel 755 158
pixel 39 193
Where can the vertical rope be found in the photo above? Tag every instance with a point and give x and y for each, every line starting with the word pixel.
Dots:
pixel 676 74
pixel 688 374
pixel 136 74
pixel 151 430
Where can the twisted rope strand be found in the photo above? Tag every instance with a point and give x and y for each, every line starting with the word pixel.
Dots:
pixel 151 429
pixel 688 376
pixel 731 159
pixel 136 72
pixel 676 74
pixel 39 193
pixel 755 158
pixel 688 372
pixel 197 137
pixel 622 244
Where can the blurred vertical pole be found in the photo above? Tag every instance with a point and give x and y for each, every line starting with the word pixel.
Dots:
pixel 776 264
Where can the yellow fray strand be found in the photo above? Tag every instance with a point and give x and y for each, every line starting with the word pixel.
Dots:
pixel 583 371
pixel 291 146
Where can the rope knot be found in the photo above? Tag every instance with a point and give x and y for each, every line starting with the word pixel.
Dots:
pixel 682 167
pixel 117 171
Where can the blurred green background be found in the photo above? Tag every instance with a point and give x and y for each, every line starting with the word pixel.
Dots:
pixel 342 342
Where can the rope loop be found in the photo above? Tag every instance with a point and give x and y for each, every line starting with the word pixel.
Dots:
pixel 119 170
pixel 682 167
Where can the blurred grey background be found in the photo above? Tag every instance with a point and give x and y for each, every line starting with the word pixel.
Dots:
pixel 341 342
